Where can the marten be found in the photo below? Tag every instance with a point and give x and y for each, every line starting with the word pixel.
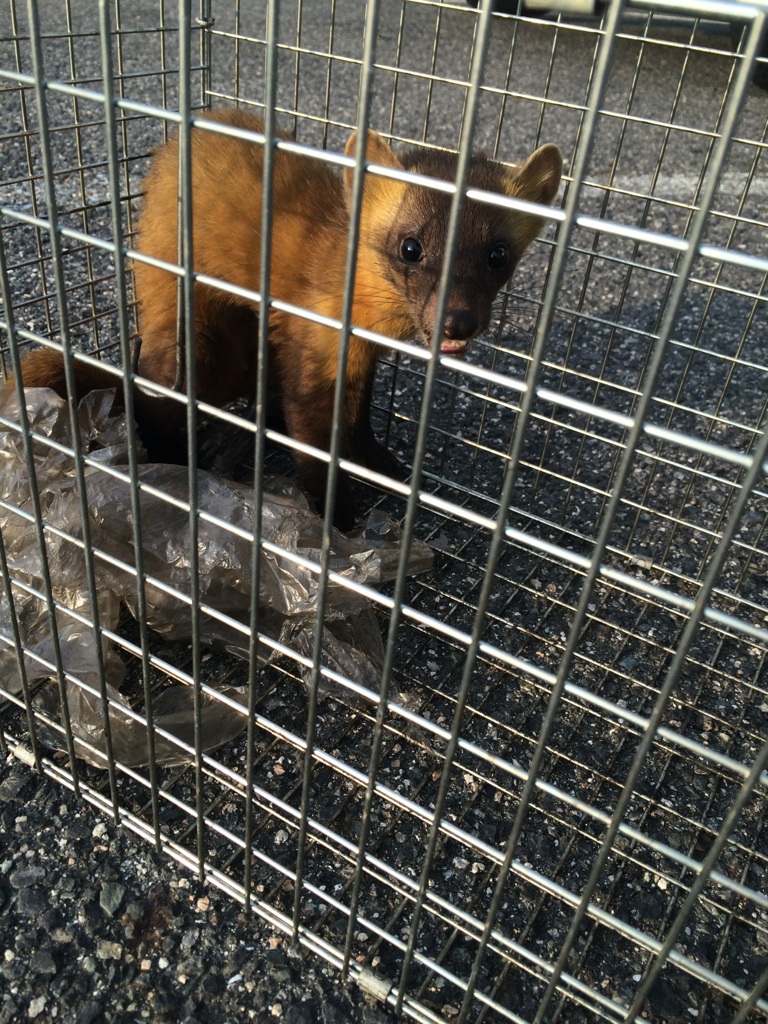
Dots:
pixel 399 262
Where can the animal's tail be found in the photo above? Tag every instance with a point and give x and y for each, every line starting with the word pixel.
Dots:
pixel 44 368
pixel 160 420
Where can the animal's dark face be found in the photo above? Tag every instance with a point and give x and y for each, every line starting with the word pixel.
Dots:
pixel 405 227
pixel 490 243
pixel 486 255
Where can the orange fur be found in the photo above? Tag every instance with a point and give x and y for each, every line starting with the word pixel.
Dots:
pixel 393 296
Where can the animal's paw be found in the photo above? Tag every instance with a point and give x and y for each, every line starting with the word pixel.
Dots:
pixel 380 459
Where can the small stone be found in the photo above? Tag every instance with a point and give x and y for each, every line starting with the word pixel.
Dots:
pixel 331 1013
pixel 11 787
pixel 111 897
pixel 43 963
pixel 9 1011
pixel 51 919
pixel 106 950
pixel 36 1007
pixel 90 1013
pixel 298 1014
pixel 24 877
pixel 31 903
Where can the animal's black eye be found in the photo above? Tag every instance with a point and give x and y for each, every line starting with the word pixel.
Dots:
pixel 498 257
pixel 411 250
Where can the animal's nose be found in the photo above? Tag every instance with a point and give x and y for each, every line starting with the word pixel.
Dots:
pixel 460 324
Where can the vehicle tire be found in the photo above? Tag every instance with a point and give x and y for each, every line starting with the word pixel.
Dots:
pixel 760 74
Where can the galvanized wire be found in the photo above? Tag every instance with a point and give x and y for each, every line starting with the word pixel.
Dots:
pixel 594 634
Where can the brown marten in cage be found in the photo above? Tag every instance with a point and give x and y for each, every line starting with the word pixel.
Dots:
pixel 399 261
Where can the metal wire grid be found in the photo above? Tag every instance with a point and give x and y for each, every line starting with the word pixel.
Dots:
pixel 584 758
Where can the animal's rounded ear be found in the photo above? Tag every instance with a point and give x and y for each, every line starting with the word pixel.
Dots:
pixel 376 152
pixel 538 179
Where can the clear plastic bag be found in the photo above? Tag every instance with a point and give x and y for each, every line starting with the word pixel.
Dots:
pixel 288 588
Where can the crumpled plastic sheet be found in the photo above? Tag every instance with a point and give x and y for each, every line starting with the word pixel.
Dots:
pixel 352 643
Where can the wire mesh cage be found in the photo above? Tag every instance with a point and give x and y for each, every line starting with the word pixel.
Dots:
pixel 528 782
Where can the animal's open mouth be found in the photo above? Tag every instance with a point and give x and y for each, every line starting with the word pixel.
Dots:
pixel 454 346
pixel 448 346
